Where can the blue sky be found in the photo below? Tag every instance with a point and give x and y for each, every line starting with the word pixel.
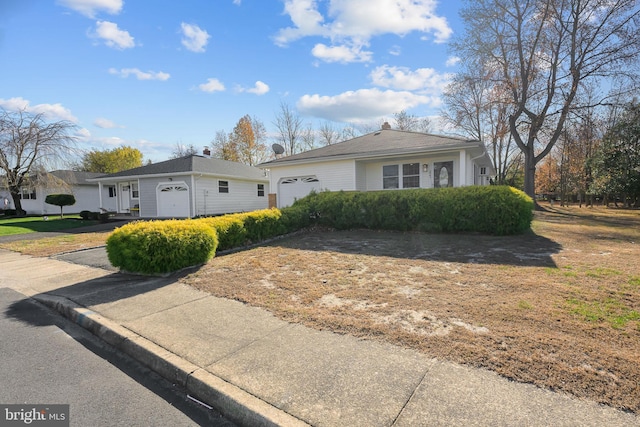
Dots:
pixel 152 74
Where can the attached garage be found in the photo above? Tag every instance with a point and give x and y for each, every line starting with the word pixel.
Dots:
pixel 290 189
pixel 173 200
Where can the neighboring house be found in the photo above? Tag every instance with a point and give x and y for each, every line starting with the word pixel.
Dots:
pixel 186 187
pixel 385 159
pixel 35 192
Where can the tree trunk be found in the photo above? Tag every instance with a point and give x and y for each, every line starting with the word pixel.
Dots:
pixel 530 173
pixel 17 202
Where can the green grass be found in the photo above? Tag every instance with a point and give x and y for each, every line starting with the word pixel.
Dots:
pixel 37 224
pixel 611 311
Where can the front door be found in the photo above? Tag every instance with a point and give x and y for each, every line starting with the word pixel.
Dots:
pixel 124 198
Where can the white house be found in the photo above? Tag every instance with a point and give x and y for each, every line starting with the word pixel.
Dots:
pixel 185 187
pixel 35 191
pixel 383 160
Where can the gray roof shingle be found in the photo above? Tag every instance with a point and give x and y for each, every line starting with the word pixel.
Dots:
pixel 75 177
pixel 193 164
pixel 379 143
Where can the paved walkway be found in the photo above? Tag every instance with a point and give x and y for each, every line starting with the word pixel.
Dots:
pixel 259 370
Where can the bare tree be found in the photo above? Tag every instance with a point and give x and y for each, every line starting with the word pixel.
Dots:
pixel 308 137
pixel 182 150
pixel 478 108
pixel 544 52
pixel 289 126
pixel 29 144
pixel 349 132
pixel 424 125
pixel 328 134
pixel 405 121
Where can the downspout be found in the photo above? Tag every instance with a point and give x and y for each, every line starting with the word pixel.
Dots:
pixel 484 152
pixel 100 196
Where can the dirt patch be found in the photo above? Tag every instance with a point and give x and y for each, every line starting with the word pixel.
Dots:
pixel 49 246
pixel 558 307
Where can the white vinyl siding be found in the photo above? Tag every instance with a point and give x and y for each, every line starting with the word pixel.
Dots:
pixel 242 197
pixel 86 200
pixel 334 176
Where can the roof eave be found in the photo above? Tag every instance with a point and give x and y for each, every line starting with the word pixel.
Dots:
pixel 170 174
pixel 372 156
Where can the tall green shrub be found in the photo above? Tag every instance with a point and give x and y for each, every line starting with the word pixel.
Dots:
pixel 488 209
pixel 60 200
pixel 156 247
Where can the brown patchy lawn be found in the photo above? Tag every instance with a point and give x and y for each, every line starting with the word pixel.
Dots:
pixel 558 307
pixel 56 245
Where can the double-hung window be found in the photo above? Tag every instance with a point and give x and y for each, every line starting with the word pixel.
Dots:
pixel 260 190
pixel 410 177
pixel 223 186
pixel 27 194
pixel 390 178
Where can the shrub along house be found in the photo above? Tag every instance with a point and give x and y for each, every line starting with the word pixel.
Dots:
pixel 36 189
pixel 186 187
pixel 383 160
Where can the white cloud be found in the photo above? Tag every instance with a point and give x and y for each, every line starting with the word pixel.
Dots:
pixel 425 80
pixel 212 85
pixel 140 75
pixel 113 36
pixel 105 123
pixel 355 22
pixel 90 8
pixel 194 38
pixel 395 50
pixel 49 111
pixel 452 61
pixel 83 134
pixel 307 20
pixel 237 2
pixel 260 88
pixel 361 105
pixel 344 53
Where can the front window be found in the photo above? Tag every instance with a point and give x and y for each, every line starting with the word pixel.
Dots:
pixel 390 176
pixel 112 191
pixel 223 186
pixel 27 194
pixel 260 190
pixel 411 175
pixel 410 178
pixel 135 194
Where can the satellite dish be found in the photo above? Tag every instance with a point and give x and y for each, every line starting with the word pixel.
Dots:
pixel 277 148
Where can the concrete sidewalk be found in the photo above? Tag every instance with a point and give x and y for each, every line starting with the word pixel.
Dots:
pixel 259 370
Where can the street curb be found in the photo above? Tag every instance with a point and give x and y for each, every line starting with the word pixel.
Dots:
pixel 238 405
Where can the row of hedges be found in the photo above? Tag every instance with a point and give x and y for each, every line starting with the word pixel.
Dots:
pixel 94 216
pixel 156 247
pixel 496 210
pixel 164 246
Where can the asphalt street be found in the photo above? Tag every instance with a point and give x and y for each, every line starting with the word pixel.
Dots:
pixel 45 359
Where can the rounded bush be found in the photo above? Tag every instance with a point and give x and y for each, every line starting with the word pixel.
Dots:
pixel 156 247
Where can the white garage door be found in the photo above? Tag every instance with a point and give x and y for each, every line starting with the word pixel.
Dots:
pixel 173 200
pixel 296 188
